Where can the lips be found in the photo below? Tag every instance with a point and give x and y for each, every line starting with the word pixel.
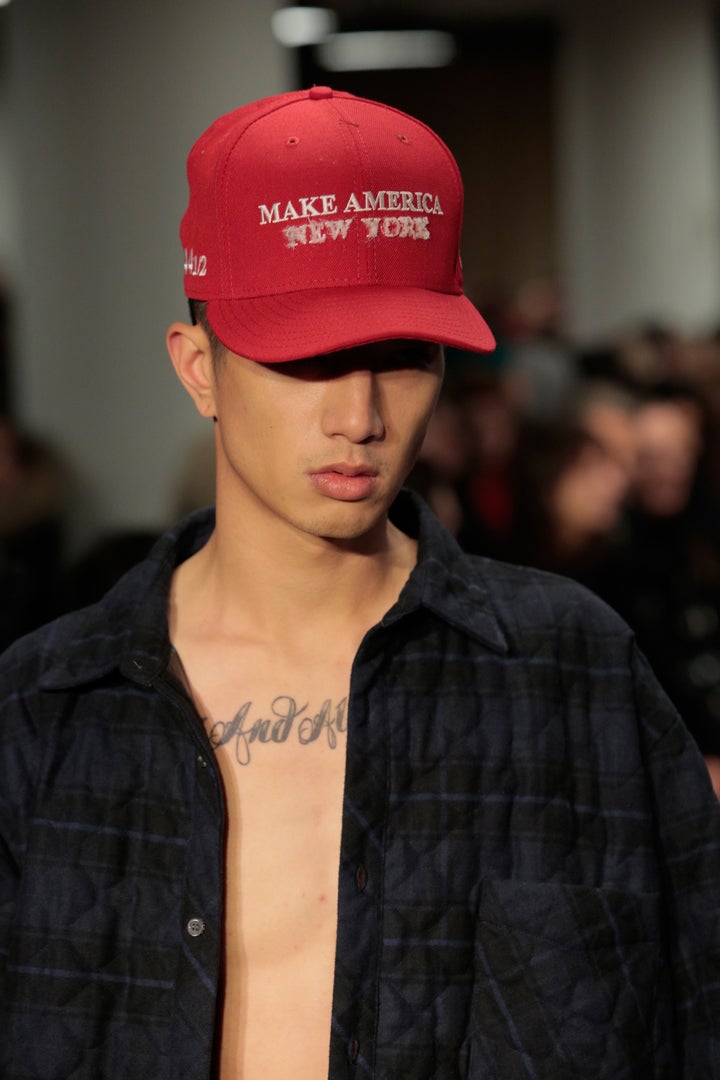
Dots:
pixel 347 483
pixel 343 469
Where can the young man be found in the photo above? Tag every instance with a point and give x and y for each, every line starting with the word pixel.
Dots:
pixel 311 792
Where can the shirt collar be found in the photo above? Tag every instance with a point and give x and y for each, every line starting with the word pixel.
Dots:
pixel 128 629
pixel 445 580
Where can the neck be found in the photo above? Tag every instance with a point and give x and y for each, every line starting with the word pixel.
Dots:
pixel 278 581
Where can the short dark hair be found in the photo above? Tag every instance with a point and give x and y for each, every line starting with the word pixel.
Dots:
pixel 198 317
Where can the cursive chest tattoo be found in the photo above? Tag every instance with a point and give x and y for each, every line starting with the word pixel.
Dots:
pixel 287 720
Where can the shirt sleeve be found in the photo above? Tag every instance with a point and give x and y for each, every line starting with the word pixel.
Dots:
pixel 688 829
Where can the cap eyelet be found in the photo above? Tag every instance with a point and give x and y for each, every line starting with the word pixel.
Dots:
pixel 293 140
pixel 403 138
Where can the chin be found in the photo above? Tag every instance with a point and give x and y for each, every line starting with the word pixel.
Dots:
pixel 349 521
pixel 350 531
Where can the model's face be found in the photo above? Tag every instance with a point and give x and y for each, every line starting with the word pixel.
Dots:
pixel 324 444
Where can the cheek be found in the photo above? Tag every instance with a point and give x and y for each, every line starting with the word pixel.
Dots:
pixel 246 436
pixel 413 407
pixel 424 416
pixel 418 437
pixel 272 442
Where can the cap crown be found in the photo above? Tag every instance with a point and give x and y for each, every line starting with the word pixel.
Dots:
pixel 320 189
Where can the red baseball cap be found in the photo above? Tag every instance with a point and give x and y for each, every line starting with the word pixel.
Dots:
pixel 318 221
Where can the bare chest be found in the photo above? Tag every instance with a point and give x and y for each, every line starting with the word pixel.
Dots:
pixel 279 740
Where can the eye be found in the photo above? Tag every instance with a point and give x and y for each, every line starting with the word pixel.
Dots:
pixel 418 355
pixel 307 369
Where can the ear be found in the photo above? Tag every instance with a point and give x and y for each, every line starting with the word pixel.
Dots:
pixel 191 355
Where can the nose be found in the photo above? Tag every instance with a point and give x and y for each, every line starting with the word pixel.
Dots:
pixel 353 406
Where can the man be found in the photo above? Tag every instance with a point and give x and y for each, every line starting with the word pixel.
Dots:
pixel 311 792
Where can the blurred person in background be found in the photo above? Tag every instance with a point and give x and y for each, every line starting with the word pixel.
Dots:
pixel 490 414
pixel 441 470
pixel 87 578
pixel 34 486
pixel 648 355
pixel 669 442
pixel 33 493
pixel 570 493
pixel 605 408
pixel 536 354
pixel 664 576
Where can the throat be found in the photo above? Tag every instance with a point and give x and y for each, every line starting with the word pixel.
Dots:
pixel 320 593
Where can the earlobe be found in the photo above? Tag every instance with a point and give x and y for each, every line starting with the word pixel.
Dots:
pixel 191 355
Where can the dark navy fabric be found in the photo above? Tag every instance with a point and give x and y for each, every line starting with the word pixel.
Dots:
pixel 529 884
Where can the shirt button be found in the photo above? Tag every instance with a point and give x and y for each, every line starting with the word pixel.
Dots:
pixel 201 761
pixel 353 1050
pixel 361 878
pixel 195 927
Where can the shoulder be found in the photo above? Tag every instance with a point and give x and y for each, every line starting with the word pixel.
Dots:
pixel 131 619
pixel 533 605
pixel 31 653
pixel 570 655
pixel 35 658
pixel 525 596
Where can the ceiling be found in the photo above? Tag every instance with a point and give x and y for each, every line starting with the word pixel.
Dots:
pixel 382 12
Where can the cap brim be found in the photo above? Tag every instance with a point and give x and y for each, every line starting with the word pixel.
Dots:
pixel 313 322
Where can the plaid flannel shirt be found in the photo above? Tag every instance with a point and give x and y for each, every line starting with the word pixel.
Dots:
pixel 529 882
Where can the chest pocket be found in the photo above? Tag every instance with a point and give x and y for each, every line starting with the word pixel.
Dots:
pixel 565 983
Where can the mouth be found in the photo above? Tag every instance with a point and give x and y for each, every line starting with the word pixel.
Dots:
pixel 344 482
pixel 343 469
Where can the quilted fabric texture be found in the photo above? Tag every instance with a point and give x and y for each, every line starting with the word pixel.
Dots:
pixel 530 867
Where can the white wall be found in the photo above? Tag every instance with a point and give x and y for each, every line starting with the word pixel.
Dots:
pixel 106 99
pixel 640 165
pixel 9 240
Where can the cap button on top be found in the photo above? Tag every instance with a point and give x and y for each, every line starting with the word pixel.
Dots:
pixel 320 92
